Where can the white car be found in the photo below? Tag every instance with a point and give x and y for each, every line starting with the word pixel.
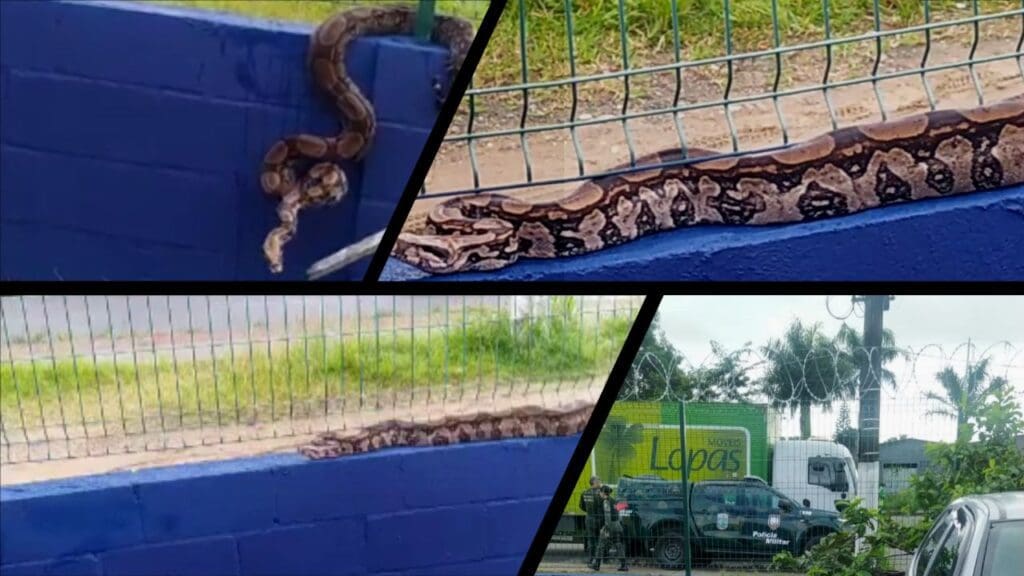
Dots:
pixel 975 536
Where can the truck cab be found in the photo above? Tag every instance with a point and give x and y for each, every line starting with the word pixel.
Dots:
pixel 814 473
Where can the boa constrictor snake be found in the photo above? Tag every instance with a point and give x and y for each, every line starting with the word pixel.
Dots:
pixel 324 183
pixel 521 422
pixel 929 155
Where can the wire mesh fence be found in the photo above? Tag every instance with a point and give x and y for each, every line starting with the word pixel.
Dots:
pixel 771 450
pixel 99 375
pixel 578 89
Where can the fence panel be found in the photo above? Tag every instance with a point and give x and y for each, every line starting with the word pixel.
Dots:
pixel 97 375
pixel 578 89
pixel 772 449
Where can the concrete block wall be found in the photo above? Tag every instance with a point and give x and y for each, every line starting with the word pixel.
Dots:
pixel 132 138
pixel 468 509
pixel 972 237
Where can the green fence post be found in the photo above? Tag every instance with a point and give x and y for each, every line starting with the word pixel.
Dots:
pixel 686 486
pixel 425 19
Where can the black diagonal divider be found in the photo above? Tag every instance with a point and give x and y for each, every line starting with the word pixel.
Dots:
pixel 579 458
pixel 441 125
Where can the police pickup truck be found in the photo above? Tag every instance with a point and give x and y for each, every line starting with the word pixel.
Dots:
pixel 731 519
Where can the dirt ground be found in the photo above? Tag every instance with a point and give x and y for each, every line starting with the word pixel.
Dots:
pixel 62 457
pixel 501 159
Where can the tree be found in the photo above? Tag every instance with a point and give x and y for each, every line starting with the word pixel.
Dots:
pixel 658 373
pixel 804 368
pixel 845 433
pixel 726 379
pixel 656 355
pixel 963 396
pixel 852 346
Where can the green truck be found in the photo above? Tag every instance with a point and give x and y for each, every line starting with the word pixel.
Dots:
pixel 725 441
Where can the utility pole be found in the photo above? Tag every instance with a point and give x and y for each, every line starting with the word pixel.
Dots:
pixel 868 421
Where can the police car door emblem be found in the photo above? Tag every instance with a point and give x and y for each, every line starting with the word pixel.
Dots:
pixel 722 521
pixel 774 521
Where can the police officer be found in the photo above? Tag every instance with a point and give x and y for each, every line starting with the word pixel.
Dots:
pixel 590 503
pixel 611 530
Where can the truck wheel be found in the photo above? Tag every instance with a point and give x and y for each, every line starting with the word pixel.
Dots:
pixel 670 550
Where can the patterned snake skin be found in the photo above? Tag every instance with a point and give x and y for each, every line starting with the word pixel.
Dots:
pixel 523 422
pixel 930 155
pixel 324 183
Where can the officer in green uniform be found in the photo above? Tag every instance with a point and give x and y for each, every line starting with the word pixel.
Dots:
pixel 590 503
pixel 611 531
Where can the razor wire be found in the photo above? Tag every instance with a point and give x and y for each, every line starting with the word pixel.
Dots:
pixel 515 95
pixel 744 454
pixel 88 376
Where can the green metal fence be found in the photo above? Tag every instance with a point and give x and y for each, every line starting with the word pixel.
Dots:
pixel 725 431
pixel 98 375
pixel 696 36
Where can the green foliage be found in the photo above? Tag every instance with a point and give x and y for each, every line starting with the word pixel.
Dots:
pixel 806 368
pixel 845 433
pixel 456 358
pixel 836 554
pixel 650 37
pixel 658 368
pixel 992 463
pixel 962 395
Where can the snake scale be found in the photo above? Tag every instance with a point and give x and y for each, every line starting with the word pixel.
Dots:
pixel 324 182
pixel 929 155
pixel 521 422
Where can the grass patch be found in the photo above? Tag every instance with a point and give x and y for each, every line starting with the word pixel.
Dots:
pixel 250 382
pixel 315 11
pixel 651 38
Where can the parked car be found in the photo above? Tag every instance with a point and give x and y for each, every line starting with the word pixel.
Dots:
pixel 975 536
pixel 729 519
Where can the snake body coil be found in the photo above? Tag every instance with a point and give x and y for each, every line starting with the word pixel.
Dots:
pixel 523 422
pixel 930 155
pixel 325 183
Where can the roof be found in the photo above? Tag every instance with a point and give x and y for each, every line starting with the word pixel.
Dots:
pixel 1001 506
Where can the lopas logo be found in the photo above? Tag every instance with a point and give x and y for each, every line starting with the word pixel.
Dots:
pixel 714 454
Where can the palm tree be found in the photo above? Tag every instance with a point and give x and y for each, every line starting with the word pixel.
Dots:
pixel 963 396
pixel 805 368
pixel 852 344
pixel 616 444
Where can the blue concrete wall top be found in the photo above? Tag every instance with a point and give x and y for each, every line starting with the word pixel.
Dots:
pixel 464 509
pixel 973 237
pixel 132 139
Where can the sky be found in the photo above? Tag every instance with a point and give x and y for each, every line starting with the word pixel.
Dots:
pixel 936 328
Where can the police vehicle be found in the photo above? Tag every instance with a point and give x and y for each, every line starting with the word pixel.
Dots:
pixel 729 519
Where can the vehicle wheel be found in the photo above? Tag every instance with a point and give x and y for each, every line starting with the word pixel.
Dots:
pixel 811 542
pixel 670 550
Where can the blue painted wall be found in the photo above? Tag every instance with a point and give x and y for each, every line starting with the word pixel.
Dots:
pixel 974 237
pixel 469 509
pixel 132 138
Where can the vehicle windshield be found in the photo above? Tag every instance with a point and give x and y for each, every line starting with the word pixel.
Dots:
pixel 1004 554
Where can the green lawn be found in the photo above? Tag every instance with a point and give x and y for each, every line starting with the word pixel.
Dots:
pixel 596 25
pixel 484 351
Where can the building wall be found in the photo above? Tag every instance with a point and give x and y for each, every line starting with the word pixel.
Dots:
pixel 466 509
pixel 133 134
